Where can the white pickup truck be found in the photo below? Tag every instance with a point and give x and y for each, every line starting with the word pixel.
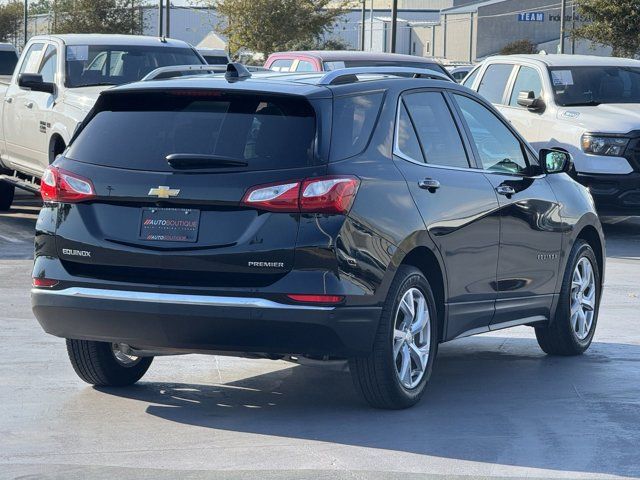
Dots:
pixel 586 105
pixel 54 85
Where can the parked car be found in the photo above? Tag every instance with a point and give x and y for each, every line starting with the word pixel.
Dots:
pixel 214 56
pixel 585 105
pixel 8 60
pixel 55 84
pixel 327 60
pixel 354 214
pixel 459 72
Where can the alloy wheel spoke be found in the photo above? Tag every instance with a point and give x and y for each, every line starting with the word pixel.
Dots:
pixel 405 366
pixel 420 356
pixel 422 316
pixel 407 306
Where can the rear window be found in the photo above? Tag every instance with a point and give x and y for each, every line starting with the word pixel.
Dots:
pixel 354 117
pixel 216 59
pixel 8 62
pixel 135 131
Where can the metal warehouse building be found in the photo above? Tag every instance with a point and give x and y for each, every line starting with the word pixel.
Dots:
pixel 472 32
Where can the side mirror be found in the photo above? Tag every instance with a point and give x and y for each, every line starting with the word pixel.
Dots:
pixel 529 101
pixel 555 161
pixel 34 82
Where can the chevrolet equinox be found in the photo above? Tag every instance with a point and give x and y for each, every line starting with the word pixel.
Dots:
pixel 358 214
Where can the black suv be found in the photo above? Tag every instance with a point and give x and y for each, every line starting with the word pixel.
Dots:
pixel 357 214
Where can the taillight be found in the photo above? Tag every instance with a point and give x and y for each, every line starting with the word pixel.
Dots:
pixel 313 195
pixel 44 282
pixel 328 194
pixel 59 185
pixel 281 197
pixel 316 298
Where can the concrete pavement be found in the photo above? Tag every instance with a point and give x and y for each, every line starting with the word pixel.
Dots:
pixel 497 407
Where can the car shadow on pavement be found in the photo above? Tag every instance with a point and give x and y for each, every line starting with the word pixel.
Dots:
pixel 491 399
pixel 622 236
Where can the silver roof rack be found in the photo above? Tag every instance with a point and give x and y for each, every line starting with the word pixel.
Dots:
pixel 177 70
pixel 332 77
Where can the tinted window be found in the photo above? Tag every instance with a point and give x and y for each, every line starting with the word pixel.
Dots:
pixel 304 66
pixel 439 137
pixel 353 120
pixel 494 82
pixel 215 59
pixel 407 140
pixel 592 85
pixel 138 132
pixel 49 63
pixel 528 80
pixel 498 148
pixel 282 65
pixel 117 64
pixel 32 58
pixel 470 78
pixel 8 61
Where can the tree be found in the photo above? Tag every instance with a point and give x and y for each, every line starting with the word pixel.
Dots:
pixel 614 23
pixel 39 7
pixel 266 26
pixel 98 16
pixel 519 47
pixel 11 14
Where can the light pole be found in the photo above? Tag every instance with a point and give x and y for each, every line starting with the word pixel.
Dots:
pixel 371 28
pixel 394 25
pixel 563 12
pixel 26 19
pixel 168 30
pixel 364 18
pixel 160 19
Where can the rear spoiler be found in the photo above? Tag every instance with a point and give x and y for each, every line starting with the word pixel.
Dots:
pixel 232 71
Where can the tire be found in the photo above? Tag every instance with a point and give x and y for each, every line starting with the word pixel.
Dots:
pixel 6 195
pixel 96 363
pixel 567 335
pixel 377 376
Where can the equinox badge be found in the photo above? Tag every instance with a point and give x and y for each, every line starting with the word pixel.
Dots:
pixel 163 191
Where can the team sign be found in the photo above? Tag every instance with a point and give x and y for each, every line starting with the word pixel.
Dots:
pixel 531 17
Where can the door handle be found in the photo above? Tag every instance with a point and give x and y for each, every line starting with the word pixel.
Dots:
pixel 429 184
pixel 29 104
pixel 505 190
pixel 8 99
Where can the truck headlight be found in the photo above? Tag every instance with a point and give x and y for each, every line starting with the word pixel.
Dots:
pixel 609 146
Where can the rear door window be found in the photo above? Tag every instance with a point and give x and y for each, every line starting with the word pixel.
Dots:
pixel 282 65
pixel 437 132
pixel 304 66
pixel 494 82
pixel 354 117
pixel 138 131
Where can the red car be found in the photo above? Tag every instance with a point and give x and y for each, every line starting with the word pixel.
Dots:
pixel 326 60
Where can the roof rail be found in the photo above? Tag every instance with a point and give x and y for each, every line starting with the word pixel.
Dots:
pixel 177 70
pixel 332 77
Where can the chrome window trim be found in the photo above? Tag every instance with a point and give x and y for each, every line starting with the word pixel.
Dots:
pixel 174 298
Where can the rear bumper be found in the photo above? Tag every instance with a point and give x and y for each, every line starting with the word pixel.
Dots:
pixel 614 194
pixel 204 323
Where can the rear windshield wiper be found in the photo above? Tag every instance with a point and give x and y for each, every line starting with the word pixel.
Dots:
pixel 186 161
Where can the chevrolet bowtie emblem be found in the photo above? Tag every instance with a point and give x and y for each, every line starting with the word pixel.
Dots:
pixel 163 191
